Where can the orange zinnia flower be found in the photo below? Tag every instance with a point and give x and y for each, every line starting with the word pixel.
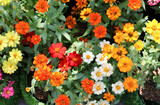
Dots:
pixel 113 12
pixel 56 79
pixel 42 6
pixel 94 18
pixel 65 1
pixel 22 27
pixel 134 4
pixel 70 22
pixel 119 53
pixel 75 10
pixel 62 100
pixel 128 27
pixel 81 3
pixel 125 64
pixel 131 36
pixel 40 60
pixel 119 37
pixel 87 85
pixel 108 50
pixel 130 84
pixel 110 1
pixel 43 73
pixel 35 39
pixel 108 96
pixel 100 31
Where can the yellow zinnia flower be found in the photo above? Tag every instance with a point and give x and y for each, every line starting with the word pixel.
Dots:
pixel 119 37
pixel 108 51
pixel 15 55
pixel 152 26
pixel 85 13
pixel 13 38
pixel 4 2
pixel 9 67
pixel 131 36
pixel 156 37
pixel 139 45
pixel 128 27
pixel 113 12
pixel 3 42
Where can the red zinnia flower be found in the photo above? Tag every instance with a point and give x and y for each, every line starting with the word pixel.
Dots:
pixel 35 39
pixel 100 31
pixel 27 38
pixel 22 27
pixel 64 65
pixel 74 59
pixel 62 100
pixel 57 50
pixel 94 18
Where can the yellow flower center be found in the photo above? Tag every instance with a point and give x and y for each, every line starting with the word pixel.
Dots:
pixel 106 69
pixel 118 87
pixel 11 38
pixel 8 92
pixel 98 74
pixel 57 50
pixel 88 56
pixel 98 87
pixel 15 55
pixel 102 59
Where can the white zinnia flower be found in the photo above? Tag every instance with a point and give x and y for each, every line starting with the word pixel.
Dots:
pixel 97 74
pixel 99 88
pixel 107 69
pixel 100 59
pixel 92 103
pixel 88 57
pixel 117 88
pixel 103 102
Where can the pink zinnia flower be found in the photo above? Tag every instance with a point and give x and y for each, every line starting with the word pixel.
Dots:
pixel 7 92
pixel 0 75
pixel 153 2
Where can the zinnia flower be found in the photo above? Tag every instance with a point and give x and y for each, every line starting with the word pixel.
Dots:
pixel 15 55
pixel 153 2
pixel 75 10
pixel 27 38
pixel 117 88
pixel 156 37
pixel 81 3
pixel 74 59
pixel 13 39
pixel 85 13
pixel 131 36
pixel 42 6
pixel 35 39
pixel 40 60
pixel 28 89
pixel 128 27
pixel 87 85
pixel 62 100
pixel 139 45
pixel 125 64
pixel 3 42
pixel 9 67
pixel 119 37
pixel 64 65
pixel 65 1
pixel 5 2
pixel 152 26
pixel 56 79
pixel 100 31
pixel 7 92
pixel 134 4
pixel 113 12
pixel 130 84
pixel 22 27
pixel 108 96
pixel 70 22
pixel 110 1
pixel 56 50
pixel 94 18
pixel 99 88
pixel 108 50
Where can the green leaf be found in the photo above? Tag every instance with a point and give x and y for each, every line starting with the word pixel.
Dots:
pixel 143 5
pixel 28 50
pixel 62 17
pixel 35 47
pixel 14 14
pixel 60 9
pixel 87 31
pixel 44 37
pixel 122 19
pixel 66 35
pixel 59 36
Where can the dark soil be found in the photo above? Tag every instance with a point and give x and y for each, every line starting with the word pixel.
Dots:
pixel 149 92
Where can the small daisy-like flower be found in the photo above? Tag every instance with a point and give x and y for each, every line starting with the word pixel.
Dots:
pixel 3 42
pixel 100 59
pixel 94 102
pixel 99 88
pixel 118 87
pixel 104 42
pixel 100 31
pixel 128 27
pixel 113 12
pixel 94 18
pixel 103 102
pixel 139 45
pixel 97 74
pixel 9 67
pixel 15 55
pixel 35 39
pixel 42 6
pixel 88 57
pixel 107 69
pixel 108 96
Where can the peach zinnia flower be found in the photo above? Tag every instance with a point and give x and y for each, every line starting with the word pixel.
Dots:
pixel 42 6
pixel 94 18
pixel 113 12
pixel 35 39
pixel 100 31
pixel 81 3
pixel 56 79
pixel 62 100
pixel 130 84
pixel 134 4
pixel 70 22
pixel 22 27
pixel 125 64
pixel 108 96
